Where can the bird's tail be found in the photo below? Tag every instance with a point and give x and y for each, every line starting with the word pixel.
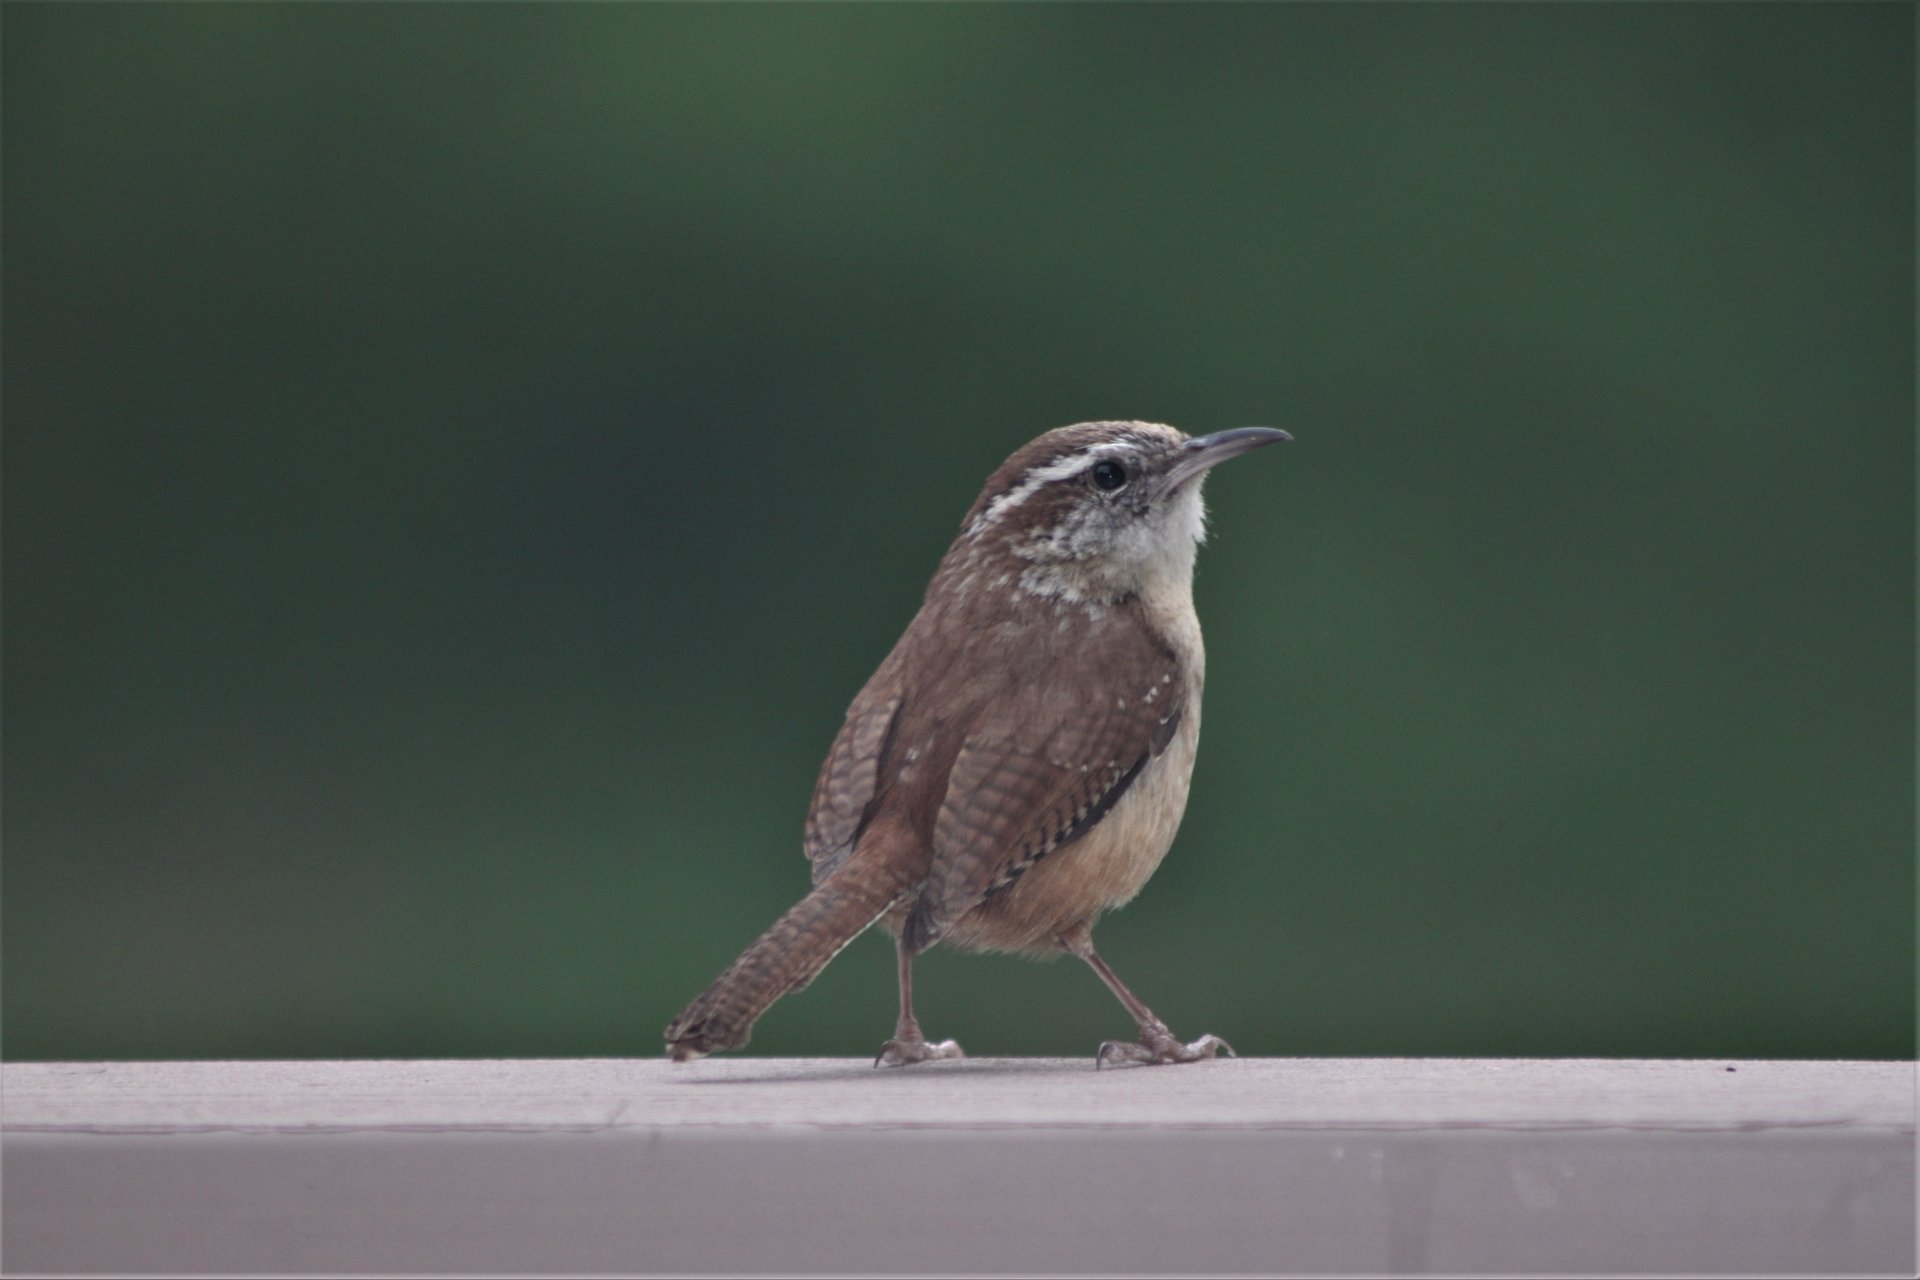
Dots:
pixel 783 959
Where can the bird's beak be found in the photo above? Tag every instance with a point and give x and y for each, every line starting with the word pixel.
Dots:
pixel 1202 452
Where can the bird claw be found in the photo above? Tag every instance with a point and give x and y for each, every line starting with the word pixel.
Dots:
pixel 904 1053
pixel 1155 1048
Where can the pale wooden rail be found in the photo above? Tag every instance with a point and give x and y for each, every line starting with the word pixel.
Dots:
pixel 743 1165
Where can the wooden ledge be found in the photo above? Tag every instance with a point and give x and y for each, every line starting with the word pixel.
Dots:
pixel 744 1165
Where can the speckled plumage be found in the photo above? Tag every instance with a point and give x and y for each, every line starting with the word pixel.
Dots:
pixel 1019 763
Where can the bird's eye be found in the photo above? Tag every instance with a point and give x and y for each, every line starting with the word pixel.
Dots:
pixel 1108 475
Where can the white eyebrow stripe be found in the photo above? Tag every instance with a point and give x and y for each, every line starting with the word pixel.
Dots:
pixel 1039 477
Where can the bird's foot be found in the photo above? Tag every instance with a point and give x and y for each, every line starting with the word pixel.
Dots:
pixel 904 1053
pixel 1157 1045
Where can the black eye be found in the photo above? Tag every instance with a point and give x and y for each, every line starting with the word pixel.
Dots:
pixel 1109 475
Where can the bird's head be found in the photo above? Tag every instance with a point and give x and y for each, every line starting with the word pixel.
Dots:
pixel 1101 510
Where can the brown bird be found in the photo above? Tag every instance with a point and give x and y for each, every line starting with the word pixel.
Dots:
pixel 1018 764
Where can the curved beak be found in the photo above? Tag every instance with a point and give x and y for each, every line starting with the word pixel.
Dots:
pixel 1203 452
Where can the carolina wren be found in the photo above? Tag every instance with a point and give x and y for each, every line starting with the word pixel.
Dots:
pixel 1018 764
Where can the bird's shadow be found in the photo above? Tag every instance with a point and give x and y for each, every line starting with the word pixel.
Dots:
pixel 866 1072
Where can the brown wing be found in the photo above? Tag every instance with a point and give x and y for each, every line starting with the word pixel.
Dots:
pixel 1042 768
pixel 849 779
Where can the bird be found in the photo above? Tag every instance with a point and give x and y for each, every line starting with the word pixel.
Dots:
pixel 1019 763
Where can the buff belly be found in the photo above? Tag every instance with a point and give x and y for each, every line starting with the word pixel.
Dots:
pixel 1102 870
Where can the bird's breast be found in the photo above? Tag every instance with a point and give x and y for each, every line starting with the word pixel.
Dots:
pixel 1103 869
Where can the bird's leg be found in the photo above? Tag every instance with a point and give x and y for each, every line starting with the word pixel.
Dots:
pixel 908 1045
pixel 1156 1044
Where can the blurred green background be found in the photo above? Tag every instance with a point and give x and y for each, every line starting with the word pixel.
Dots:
pixel 461 461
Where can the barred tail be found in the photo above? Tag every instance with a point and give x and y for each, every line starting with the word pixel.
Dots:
pixel 785 958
